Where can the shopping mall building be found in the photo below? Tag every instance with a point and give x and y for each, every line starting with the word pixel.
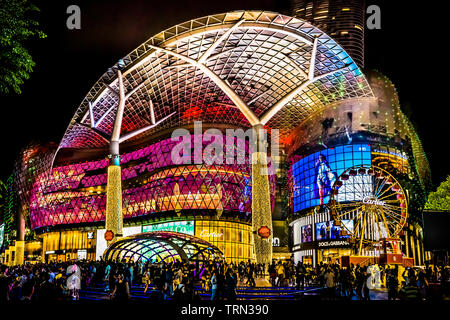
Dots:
pixel 347 154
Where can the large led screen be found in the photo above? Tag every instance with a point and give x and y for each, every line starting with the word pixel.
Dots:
pixel 314 176
pixel 307 233
pixel 328 231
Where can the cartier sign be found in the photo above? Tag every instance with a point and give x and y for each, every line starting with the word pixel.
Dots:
pixel 369 200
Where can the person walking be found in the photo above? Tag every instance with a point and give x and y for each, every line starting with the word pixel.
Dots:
pixel 280 274
pixel 106 277
pixel 231 284
pixel 330 283
pixel 250 276
pixel 146 279
pixel 300 274
pixel 392 284
pixel 366 289
pixel 4 284
pixel 121 292
pixel 214 285
pixel 410 292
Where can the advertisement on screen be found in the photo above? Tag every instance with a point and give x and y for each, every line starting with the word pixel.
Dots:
pixel 328 231
pixel 315 175
pixel 307 233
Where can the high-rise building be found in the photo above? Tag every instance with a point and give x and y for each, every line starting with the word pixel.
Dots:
pixel 343 20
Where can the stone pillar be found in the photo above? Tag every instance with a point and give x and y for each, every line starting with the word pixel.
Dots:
pixel 114 215
pixel 261 207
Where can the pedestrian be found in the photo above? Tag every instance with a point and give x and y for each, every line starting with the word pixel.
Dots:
pixel 392 284
pixel 330 283
pixel 231 284
pixel 121 290
pixel 214 285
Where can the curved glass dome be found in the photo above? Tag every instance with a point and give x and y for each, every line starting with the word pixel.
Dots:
pixel 162 246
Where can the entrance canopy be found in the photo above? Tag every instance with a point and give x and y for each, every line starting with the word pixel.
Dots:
pixel 162 246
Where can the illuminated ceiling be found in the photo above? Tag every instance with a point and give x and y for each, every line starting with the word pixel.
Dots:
pixel 161 246
pixel 229 68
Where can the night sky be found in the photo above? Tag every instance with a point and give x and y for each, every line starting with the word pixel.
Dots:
pixel 409 49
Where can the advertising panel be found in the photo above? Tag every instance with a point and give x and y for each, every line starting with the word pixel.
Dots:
pixel 327 231
pixel 307 233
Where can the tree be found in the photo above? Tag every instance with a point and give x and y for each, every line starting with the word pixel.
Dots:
pixel 440 199
pixel 17 25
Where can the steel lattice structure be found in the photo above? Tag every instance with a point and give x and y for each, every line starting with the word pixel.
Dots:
pixel 240 68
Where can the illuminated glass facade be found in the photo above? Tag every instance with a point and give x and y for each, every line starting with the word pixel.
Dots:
pixel 232 238
pixel 59 191
pixel 151 183
pixel 66 245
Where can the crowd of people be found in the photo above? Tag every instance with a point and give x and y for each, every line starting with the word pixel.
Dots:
pixel 429 283
pixel 183 281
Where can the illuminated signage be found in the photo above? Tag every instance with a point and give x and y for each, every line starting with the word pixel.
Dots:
pixel 328 231
pixel 81 254
pixel 397 154
pixel 276 242
pixel 206 234
pixel 333 244
pixel 186 227
pixel 369 200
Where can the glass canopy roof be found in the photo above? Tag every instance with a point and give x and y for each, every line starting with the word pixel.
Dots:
pixel 162 246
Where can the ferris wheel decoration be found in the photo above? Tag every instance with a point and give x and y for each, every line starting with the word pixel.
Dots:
pixel 368 204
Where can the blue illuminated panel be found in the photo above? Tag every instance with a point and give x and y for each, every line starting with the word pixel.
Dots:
pixel 314 175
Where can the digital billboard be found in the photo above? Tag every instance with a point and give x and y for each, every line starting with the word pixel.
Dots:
pixel 328 231
pixel 307 233
pixel 314 176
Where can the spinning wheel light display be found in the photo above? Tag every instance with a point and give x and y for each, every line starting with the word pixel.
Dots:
pixel 369 204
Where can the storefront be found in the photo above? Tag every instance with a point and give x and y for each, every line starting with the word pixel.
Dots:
pixel 233 238
pixel 316 239
pixel 67 245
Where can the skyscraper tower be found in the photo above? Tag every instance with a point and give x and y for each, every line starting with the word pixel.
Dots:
pixel 343 20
